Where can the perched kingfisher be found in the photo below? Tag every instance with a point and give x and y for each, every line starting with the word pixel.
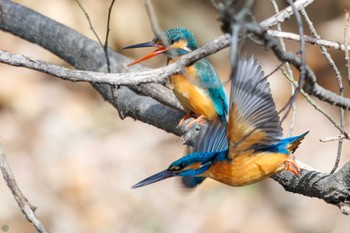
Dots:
pixel 198 88
pixel 246 149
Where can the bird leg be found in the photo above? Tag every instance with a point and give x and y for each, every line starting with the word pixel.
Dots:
pixel 198 119
pixel 185 118
pixel 292 166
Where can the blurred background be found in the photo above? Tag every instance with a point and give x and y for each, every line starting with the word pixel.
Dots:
pixel 76 160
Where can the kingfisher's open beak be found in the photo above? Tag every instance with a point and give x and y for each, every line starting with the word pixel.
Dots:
pixel 160 49
pixel 155 178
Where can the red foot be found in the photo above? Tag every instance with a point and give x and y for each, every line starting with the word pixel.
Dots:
pixel 185 118
pixel 198 119
pixel 292 166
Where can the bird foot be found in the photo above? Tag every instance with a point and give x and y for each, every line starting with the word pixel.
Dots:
pixel 198 119
pixel 185 118
pixel 292 166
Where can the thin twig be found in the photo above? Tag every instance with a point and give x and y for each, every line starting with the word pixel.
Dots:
pixel 332 139
pixel 302 67
pixel 26 208
pixel 105 47
pixel 341 89
pixel 346 42
pixel 308 39
pixel 311 86
pixel 127 79
pixel 157 31
pixel 153 19
pixel 339 80
pixel 316 106
pixel 289 72
pixel 285 14
pixel 89 21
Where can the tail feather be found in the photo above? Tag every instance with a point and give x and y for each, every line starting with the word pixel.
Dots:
pixel 285 145
pixel 292 146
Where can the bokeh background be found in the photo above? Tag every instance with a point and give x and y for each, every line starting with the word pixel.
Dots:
pixel 75 159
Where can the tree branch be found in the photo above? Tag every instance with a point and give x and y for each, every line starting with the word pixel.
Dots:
pixel 26 208
pixel 285 14
pixel 308 39
pixel 332 188
pixel 310 86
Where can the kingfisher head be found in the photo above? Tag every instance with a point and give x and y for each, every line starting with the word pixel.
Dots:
pixel 193 164
pixel 173 43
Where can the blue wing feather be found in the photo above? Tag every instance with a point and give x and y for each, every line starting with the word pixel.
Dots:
pixel 213 139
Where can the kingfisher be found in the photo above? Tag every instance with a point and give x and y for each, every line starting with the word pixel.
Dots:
pixel 198 88
pixel 248 147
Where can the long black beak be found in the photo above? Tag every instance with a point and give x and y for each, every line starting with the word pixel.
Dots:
pixel 155 178
pixel 160 49
pixel 142 45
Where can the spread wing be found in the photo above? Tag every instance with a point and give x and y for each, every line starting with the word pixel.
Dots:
pixel 209 80
pixel 212 139
pixel 253 119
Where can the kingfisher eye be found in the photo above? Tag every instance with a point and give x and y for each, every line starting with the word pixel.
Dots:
pixel 177 168
pixel 174 168
pixel 171 41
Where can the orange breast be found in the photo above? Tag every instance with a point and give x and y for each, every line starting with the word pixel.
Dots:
pixel 193 98
pixel 247 168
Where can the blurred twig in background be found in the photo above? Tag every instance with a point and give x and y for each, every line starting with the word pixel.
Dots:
pixel 26 208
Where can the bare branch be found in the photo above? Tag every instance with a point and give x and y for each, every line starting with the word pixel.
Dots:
pixel 289 72
pixel 26 208
pixel 159 75
pixel 310 86
pixel 331 139
pixel 317 107
pixel 105 46
pixel 340 84
pixel 302 68
pixel 152 17
pixel 346 42
pixel 309 39
pixel 337 185
pixel 285 14
pixel 89 21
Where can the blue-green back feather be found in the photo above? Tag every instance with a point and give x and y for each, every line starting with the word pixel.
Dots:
pixel 208 79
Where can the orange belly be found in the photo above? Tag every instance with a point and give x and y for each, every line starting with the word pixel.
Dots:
pixel 193 98
pixel 247 169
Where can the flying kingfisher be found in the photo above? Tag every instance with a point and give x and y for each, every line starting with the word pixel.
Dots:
pixel 246 149
pixel 198 88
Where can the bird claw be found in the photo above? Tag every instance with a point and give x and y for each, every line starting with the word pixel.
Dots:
pixel 292 166
pixel 198 119
pixel 184 118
